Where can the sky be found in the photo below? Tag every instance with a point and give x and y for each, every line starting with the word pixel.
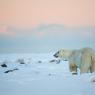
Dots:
pixel 46 25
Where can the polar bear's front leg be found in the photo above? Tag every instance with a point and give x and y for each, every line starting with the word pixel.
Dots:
pixel 73 68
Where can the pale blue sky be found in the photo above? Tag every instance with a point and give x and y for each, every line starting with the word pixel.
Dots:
pixel 46 38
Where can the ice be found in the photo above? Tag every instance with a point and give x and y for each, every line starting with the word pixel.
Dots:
pixel 40 76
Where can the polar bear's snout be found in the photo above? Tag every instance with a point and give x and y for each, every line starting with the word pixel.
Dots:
pixel 56 54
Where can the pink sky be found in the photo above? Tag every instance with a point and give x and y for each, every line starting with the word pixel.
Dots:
pixel 30 13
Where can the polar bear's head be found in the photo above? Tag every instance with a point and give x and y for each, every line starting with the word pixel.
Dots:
pixel 63 54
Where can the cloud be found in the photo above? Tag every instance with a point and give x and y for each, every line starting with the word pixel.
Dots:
pixel 58 30
pixel 45 38
pixel 51 31
pixel 48 30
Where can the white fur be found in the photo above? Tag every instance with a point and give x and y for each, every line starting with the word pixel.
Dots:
pixel 83 58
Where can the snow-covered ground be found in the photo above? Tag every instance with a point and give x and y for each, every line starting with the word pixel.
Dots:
pixel 41 75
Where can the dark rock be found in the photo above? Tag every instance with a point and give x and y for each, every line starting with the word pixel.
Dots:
pixel 15 69
pixel 93 80
pixel 8 71
pixel 39 61
pixel 55 61
pixel 21 61
pixel 11 70
pixel 52 60
pixel 3 65
pixel 50 74
pixel 74 73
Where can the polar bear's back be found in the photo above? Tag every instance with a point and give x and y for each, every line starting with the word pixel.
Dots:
pixel 87 50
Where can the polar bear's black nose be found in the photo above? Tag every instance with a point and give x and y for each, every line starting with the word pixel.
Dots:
pixel 55 55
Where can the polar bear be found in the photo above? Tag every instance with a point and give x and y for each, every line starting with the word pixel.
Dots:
pixel 84 59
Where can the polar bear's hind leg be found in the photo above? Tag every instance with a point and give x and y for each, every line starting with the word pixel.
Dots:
pixel 92 69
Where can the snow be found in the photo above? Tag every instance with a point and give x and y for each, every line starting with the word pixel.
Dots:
pixel 40 76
